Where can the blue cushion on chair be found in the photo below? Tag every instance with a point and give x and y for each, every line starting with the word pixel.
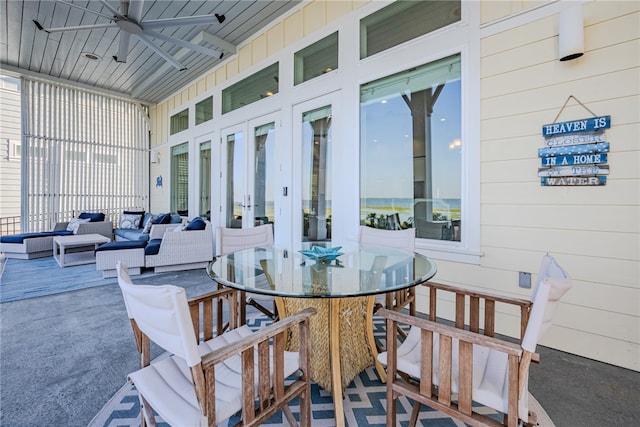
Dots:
pixel 122 244
pixel 92 216
pixel 19 238
pixel 153 247
pixel 196 223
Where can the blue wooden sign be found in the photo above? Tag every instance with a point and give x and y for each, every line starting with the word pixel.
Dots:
pixel 578 159
pixel 582 125
pixel 583 138
pixel 573 180
pixel 601 147
pixel 574 170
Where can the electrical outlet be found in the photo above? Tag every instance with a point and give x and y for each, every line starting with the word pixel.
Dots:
pixel 524 280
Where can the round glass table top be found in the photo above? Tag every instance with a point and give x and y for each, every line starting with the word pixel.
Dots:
pixel 281 272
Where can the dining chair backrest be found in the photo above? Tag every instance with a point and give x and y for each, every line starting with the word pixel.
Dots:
pixel 399 239
pixel 234 239
pixel 551 284
pixel 161 313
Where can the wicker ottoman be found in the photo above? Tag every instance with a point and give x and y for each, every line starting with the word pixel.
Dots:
pixel 130 253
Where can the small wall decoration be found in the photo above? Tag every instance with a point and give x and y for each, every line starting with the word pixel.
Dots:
pixel 575 152
pixel 159 181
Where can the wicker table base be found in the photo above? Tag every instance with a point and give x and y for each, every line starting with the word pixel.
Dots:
pixel 341 341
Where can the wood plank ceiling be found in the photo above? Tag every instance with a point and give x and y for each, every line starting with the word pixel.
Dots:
pixel 146 76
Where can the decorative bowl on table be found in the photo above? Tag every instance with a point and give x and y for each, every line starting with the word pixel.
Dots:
pixel 322 255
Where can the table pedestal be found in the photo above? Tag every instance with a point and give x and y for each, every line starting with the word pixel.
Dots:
pixel 341 341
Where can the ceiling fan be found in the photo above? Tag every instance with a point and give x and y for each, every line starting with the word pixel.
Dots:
pixel 128 19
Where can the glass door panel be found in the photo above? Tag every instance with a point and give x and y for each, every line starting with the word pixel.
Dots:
pixel 316 175
pixel 264 173
pixel 205 180
pixel 250 173
pixel 235 179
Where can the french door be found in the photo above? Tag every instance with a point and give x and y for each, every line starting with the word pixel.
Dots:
pixel 249 172
pixel 313 170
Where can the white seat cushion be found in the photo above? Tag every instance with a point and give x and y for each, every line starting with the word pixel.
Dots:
pixel 167 384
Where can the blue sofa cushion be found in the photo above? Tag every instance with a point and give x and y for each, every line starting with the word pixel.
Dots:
pixel 196 223
pixel 153 247
pixel 19 238
pixel 175 219
pixel 92 216
pixel 129 244
pixel 131 234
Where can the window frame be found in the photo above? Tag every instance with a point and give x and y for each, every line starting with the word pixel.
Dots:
pixel 462 37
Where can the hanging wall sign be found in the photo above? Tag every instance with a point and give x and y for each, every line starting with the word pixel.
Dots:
pixel 575 151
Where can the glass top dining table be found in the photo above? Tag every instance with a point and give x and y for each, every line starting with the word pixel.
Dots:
pixel 341 287
pixel 358 272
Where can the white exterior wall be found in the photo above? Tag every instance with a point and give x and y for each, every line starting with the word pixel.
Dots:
pixel 594 232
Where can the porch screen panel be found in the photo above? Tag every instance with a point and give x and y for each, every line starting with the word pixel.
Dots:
pixel 83 152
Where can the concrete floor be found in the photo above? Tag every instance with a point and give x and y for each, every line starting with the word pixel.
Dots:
pixel 63 356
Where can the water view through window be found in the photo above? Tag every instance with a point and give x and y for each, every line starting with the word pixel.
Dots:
pixel 411 151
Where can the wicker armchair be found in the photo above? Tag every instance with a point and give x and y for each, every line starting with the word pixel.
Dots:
pixel 181 250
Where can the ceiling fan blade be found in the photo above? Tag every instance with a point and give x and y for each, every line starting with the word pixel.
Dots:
pixel 123 49
pixel 75 28
pixel 135 10
pixel 185 44
pixel 85 9
pixel 154 24
pixel 161 52
pixel 111 9
pixel 221 44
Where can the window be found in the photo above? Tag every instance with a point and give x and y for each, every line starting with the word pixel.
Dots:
pixel 404 20
pixel 315 60
pixel 179 122
pixel 180 179
pixel 260 85
pixel 204 110
pixel 205 180
pixel 410 144
pixel 316 175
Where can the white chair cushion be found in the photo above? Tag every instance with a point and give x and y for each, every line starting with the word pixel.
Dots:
pixel 167 384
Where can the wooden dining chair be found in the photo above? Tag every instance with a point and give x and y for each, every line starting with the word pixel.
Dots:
pixel 229 240
pixel 204 382
pixel 397 239
pixel 449 367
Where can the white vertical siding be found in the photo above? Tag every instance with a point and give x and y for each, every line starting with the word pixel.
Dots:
pixel 82 151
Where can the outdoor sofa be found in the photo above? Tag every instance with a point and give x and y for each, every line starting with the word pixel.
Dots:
pixel 179 247
pixel 40 244
pixel 148 221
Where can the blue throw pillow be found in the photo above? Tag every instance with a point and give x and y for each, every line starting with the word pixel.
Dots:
pixel 162 219
pixel 196 223
pixel 92 216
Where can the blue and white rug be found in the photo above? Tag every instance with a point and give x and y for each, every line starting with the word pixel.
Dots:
pixel 364 404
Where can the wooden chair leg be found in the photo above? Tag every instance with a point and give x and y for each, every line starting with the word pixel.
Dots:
pixel 146 413
pixel 414 414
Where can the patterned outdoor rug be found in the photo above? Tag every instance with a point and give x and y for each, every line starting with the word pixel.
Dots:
pixel 364 404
